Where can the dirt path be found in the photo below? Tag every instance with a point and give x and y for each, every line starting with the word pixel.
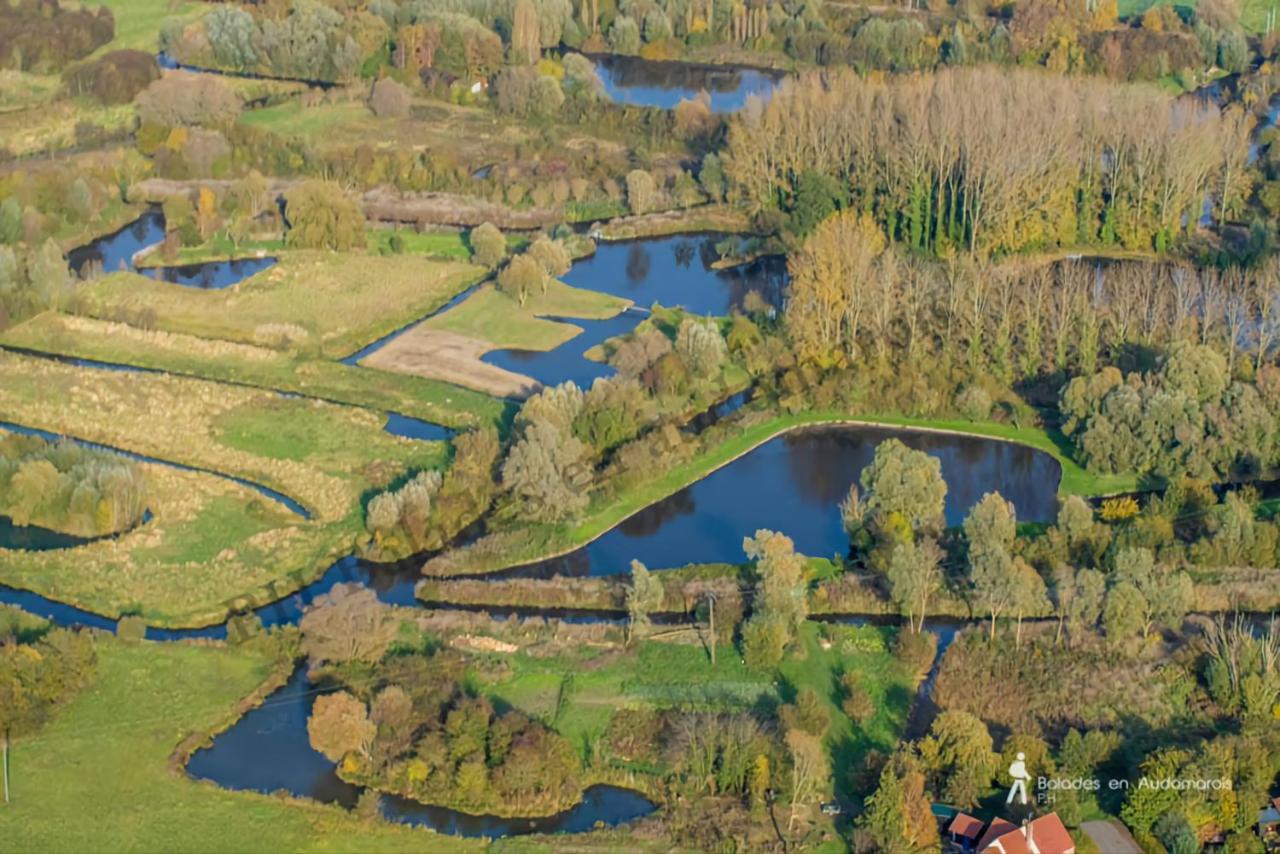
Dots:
pixel 1111 837
pixel 440 355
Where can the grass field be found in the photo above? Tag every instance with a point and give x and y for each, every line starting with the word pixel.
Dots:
pixel 208 541
pixel 96 777
pixel 326 457
pixel 501 321
pixel 138 22
pixel 1253 13
pixel 329 304
pixel 580 700
pixel 106 341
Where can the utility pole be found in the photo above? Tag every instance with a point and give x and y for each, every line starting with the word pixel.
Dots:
pixel 711 604
pixel 6 765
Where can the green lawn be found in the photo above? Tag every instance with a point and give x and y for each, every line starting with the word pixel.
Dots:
pixel 96 777
pixel 579 700
pixel 138 22
pixel 492 316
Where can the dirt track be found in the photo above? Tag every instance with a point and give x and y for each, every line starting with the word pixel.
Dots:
pixel 440 355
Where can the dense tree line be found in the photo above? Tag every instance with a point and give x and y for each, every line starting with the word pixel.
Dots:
pixel 31 280
pixel 44 36
pixel 430 510
pixel 306 40
pixel 993 161
pixel 68 487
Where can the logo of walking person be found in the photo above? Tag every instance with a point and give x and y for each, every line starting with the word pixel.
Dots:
pixel 1018 771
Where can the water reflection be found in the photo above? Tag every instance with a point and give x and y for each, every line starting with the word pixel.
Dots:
pixel 649 83
pixel 669 271
pixel 794 484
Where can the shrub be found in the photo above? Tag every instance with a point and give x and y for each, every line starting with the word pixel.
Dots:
pixel 114 78
pixel 180 98
pixel 389 99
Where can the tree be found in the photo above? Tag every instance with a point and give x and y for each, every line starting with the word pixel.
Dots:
pixel 322 216
pixel 1165 596
pixel 525 38
pixel 542 473
pixel 522 277
pixel 897 816
pixel 641 191
pixel 180 98
pixel 959 753
pixel 389 99
pixel 339 725
pixel 702 347
pixel 903 485
pixel 914 576
pixel 809 768
pixel 644 594
pixel 551 255
pixel 780 605
pixel 348 624
pixel 1124 614
pixel 624 35
pixel 990 530
pixel 488 246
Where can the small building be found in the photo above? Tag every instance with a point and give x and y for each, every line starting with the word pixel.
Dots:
pixel 1269 824
pixel 1044 835
pixel 964 831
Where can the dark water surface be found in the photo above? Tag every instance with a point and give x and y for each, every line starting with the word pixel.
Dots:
pixel 670 271
pixel 648 83
pixel 794 484
pixel 115 252
pixel 268 750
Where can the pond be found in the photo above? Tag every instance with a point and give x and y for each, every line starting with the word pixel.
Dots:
pixel 649 83
pixel 268 750
pixel 670 271
pixel 794 484
pixel 33 538
pixel 116 251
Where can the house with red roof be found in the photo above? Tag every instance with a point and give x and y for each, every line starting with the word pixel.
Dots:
pixel 1043 835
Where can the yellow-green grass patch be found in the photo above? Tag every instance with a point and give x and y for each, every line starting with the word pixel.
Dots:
pixel 333 303
pixel 494 317
pixel 109 341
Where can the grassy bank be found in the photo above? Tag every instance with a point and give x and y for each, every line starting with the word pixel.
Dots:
pixel 493 317
pixel 702 218
pixel 323 303
pixel 540 542
pixel 203 557
pixel 96 777
pixel 264 367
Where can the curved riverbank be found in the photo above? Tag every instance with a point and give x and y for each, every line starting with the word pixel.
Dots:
pixel 557 543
